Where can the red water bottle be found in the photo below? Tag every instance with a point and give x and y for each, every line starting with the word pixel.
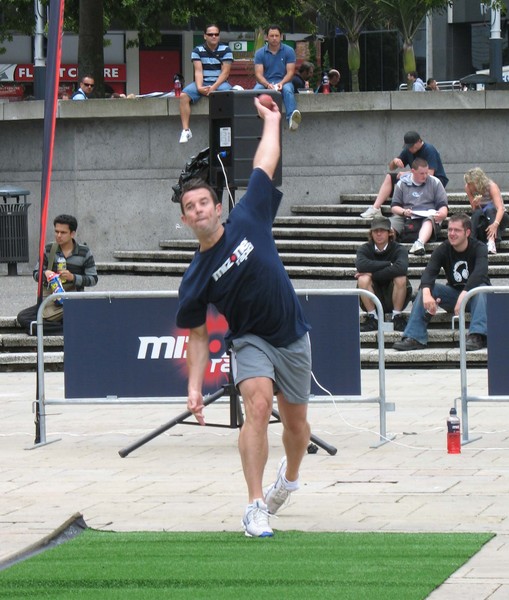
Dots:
pixel 177 86
pixel 453 433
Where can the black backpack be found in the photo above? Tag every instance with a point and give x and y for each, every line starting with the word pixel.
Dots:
pixel 197 167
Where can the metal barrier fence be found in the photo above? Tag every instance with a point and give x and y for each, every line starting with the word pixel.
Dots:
pixel 465 397
pixel 42 401
pixel 444 86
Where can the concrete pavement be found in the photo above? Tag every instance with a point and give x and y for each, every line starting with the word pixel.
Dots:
pixel 190 478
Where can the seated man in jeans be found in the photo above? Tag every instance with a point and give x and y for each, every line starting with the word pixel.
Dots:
pixel 419 191
pixel 382 267
pixel 274 70
pixel 465 264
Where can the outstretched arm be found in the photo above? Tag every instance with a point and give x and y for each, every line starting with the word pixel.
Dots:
pixel 269 150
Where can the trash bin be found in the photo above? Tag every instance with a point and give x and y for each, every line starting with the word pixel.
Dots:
pixel 13 227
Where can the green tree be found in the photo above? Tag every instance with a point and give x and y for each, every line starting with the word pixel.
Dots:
pixel 92 18
pixel 406 16
pixel 352 16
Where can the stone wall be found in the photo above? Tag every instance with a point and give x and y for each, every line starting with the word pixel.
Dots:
pixel 116 160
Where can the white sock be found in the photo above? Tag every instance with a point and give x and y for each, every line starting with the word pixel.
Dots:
pixel 291 485
pixel 373 313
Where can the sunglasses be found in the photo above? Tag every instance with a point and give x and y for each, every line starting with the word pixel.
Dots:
pixel 88 84
pixel 212 34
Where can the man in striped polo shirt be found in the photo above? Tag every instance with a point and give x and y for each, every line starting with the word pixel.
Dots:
pixel 212 63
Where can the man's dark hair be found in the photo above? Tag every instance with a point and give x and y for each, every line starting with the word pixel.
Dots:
pixel 419 162
pixel 211 25
pixel 274 27
pixel 463 218
pixel 306 66
pixel 413 74
pixel 87 75
pixel 197 184
pixel 66 220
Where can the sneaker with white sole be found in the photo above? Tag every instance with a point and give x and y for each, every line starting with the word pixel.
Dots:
pixel 492 248
pixel 417 248
pixel 185 136
pixel 371 213
pixel 277 494
pixel 256 520
pixel 295 120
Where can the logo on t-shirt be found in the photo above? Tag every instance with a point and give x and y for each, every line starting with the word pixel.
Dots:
pixel 238 256
pixel 460 271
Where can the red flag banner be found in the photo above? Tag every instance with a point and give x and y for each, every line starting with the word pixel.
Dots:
pixel 54 56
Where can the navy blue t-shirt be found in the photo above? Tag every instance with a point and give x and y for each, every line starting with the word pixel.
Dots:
pixel 243 276
pixel 431 155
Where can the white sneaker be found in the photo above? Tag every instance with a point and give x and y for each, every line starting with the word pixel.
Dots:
pixel 371 213
pixel 295 120
pixel 417 248
pixel 185 136
pixel 276 495
pixel 256 520
pixel 492 249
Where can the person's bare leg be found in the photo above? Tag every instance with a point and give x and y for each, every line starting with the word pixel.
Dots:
pixel 257 396
pixel 384 192
pixel 296 434
pixel 185 110
pixel 399 292
pixel 365 282
pixel 425 231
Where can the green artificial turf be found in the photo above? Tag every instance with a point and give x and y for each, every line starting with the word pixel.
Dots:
pixel 107 565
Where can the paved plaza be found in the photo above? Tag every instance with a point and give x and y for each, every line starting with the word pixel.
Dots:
pixel 190 479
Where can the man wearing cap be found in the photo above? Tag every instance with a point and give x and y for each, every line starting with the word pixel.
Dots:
pixel 382 267
pixel 414 148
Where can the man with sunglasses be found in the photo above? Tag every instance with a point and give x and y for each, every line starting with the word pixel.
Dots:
pixel 86 88
pixel 212 62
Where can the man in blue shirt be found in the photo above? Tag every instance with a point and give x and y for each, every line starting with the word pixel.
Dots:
pixel 274 70
pixel 237 269
pixel 414 148
pixel 212 62
pixel 86 88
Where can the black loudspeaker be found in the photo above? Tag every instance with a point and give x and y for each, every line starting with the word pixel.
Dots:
pixel 235 130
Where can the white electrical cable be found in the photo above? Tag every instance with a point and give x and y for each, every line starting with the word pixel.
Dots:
pixel 226 179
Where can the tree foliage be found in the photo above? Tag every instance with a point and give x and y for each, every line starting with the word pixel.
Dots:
pixel 352 16
pixel 406 16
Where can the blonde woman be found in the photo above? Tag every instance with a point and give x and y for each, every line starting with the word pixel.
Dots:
pixel 489 218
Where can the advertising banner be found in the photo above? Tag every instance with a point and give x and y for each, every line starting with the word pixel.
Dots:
pixel 131 347
pixel 498 334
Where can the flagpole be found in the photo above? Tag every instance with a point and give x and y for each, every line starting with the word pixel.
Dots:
pixel 56 20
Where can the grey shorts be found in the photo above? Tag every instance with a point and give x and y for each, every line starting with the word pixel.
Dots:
pixel 288 367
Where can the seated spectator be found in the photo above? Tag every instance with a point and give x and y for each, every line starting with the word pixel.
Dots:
pixel 415 82
pixel 432 85
pixel 74 263
pixel 334 79
pixel 212 62
pixel 414 148
pixel 382 267
pixel 85 89
pixel 465 264
pixel 301 79
pixel 489 218
pixel 274 70
pixel 415 193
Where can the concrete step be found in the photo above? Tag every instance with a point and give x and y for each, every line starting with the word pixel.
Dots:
pixel 355 208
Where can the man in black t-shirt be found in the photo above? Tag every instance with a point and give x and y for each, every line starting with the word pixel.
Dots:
pixel 237 269
pixel 465 265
